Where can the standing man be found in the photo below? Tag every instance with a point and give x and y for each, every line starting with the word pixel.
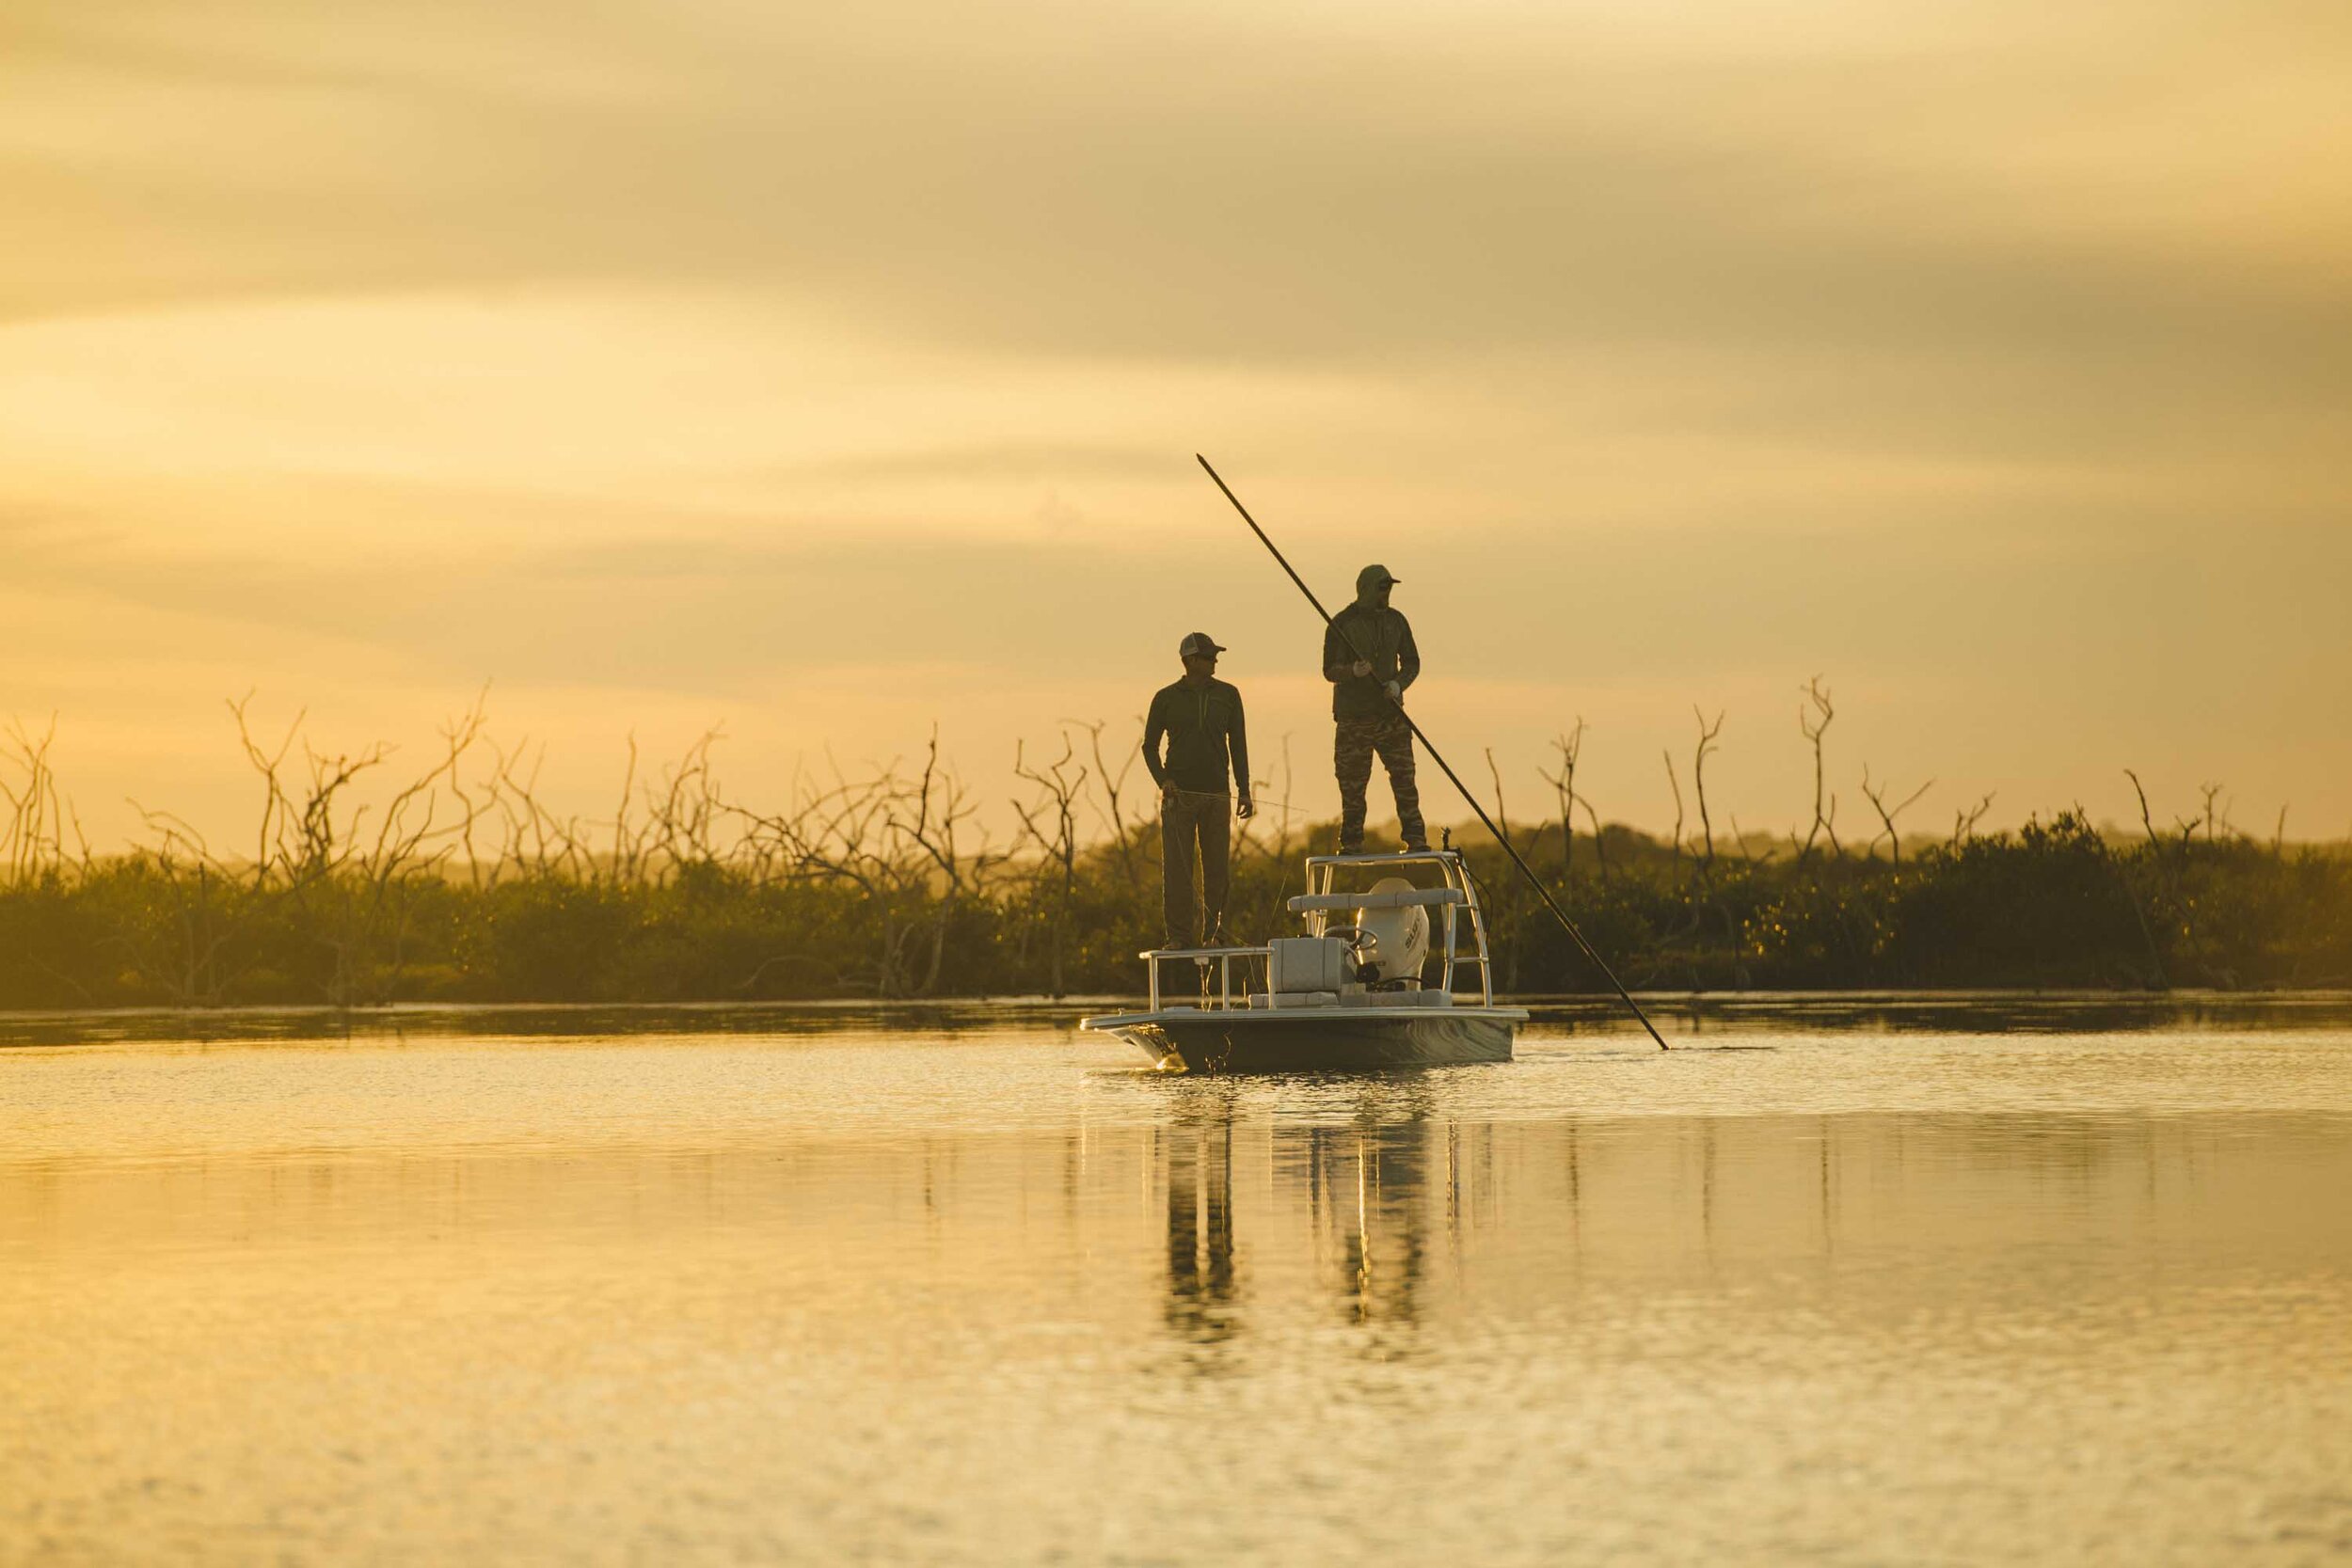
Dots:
pixel 1200 716
pixel 1369 659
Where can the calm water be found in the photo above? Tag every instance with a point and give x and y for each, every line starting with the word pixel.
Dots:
pixel 1835 1283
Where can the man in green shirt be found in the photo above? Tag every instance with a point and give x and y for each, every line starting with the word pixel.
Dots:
pixel 1369 659
pixel 1199 717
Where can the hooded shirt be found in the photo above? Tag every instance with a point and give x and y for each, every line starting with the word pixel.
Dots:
pixel 1381 634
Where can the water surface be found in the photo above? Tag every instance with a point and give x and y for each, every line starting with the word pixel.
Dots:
pixel 1837 1282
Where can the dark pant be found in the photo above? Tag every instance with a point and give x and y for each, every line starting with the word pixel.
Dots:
pixel 1352 749
pixel 1190 820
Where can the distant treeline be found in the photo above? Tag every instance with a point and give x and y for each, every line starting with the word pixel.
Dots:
pixel 461 886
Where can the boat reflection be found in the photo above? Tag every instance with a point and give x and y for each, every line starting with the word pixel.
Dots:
pixel 1202 1281
pixel 1380 1195
pixel 1368 1190
pixel 1386 1215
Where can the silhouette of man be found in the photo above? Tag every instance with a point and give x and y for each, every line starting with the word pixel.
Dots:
pixel 1369 659
pixel 1201 718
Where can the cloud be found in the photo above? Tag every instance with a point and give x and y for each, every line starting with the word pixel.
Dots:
pixel 1976 229
pixel 715 349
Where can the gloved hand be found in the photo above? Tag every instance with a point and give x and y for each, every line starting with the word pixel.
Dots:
pixel 1245 807
pixel 1361 668
pixel 1396 693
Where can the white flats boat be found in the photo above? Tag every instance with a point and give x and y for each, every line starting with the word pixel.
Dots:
pixel 1344 997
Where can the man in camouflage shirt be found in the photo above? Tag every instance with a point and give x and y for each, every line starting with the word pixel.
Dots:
pixel 1201 718
pixel 1369 659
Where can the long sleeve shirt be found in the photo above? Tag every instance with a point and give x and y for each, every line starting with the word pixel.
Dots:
pixel 1203 729
pixel 1380 635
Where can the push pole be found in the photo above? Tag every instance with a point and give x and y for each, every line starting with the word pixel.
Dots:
pixel 1532 881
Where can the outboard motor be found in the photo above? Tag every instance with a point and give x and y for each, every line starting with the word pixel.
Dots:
pixel 1391 944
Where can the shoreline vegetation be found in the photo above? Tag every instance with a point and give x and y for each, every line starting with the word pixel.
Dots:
pixel 459 885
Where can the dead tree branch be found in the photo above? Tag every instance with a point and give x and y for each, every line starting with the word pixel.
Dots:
pixel 1675 783
pixel 1698 776
pixel 1051 822
pixel 1813 721
pixel 1965 822
pixel 1877 796
pixel 1570 745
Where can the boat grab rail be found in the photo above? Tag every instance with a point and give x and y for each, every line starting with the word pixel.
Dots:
pixel 1152 958
pixel 1304 903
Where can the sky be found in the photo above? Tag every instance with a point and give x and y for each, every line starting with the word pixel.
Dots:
pixel 822 373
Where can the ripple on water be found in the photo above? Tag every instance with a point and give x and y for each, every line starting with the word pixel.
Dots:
pixel 1855 1291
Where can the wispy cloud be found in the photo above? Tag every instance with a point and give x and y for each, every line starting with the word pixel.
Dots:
pixel 695 349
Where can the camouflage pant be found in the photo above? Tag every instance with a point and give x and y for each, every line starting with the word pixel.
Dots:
pixel 1194 821
pixel 1352 748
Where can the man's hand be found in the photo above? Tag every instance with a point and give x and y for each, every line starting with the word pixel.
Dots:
pixel 1245 807
pixel 1361 668
pixel 1168 797
pixel 1396 693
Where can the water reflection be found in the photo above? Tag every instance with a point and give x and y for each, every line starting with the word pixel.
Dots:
pixel 862 1300
pixel 1367 1190
pixel 1394 1215
pixel 1369 1193
pixel 1204 1286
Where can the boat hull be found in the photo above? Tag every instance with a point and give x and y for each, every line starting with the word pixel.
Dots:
pixel 1316 1041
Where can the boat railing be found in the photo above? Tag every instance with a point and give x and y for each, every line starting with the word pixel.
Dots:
pixel 1223 957
pixel 1459 941
pixel 1454 904
pixel 1427 898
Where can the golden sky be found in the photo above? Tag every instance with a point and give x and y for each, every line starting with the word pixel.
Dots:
pixel 825 370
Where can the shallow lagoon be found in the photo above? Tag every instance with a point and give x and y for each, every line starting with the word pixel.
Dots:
pixel 1839 1280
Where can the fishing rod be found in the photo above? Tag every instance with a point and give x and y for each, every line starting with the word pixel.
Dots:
pixel 1532 881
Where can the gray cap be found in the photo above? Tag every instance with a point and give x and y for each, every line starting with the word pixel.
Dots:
pixel 1375 577
pixel 1199 644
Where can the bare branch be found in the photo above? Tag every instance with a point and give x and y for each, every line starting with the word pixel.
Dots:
pixel 1570 745
pixel 1877 796
pixel 1965 822
pixel 1675 784
pixel 1698 775
pixel 1813 721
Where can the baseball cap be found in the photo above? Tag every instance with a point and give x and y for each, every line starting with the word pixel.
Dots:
pixel 1198 645
pixel 1372 576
